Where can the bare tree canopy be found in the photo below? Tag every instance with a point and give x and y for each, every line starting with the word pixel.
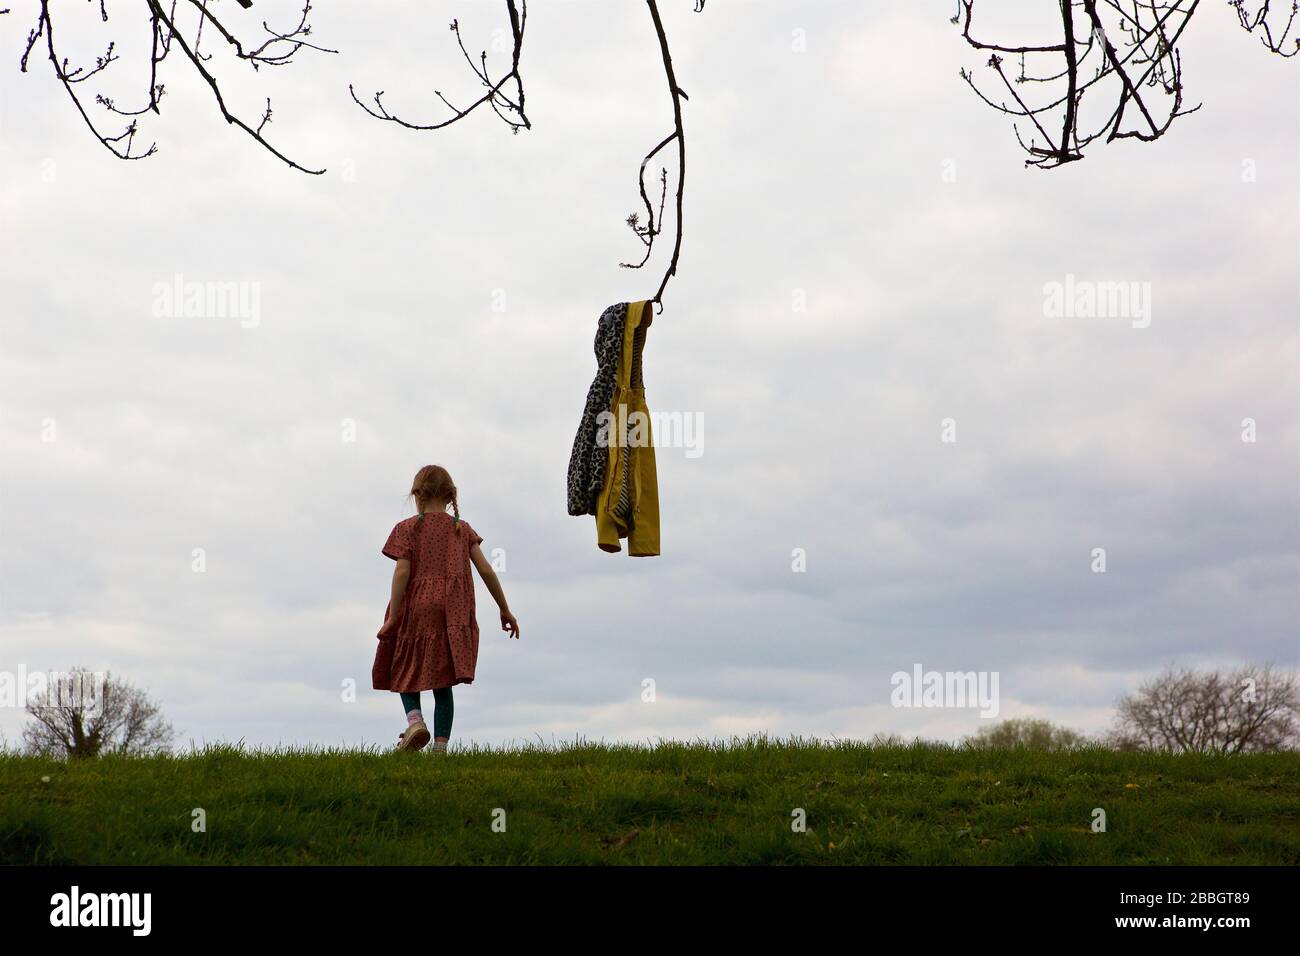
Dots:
pixel 268 46
pixel 171 24
pixel 87 714
pixel 1124 53
pixel 1249 710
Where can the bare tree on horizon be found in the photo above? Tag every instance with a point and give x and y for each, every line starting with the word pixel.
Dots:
pixel 1248 710
pixel 71 720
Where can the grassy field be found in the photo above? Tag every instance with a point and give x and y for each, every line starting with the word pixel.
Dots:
pixel 676 803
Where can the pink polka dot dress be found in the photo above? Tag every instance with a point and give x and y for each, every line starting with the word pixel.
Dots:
pixel 434 641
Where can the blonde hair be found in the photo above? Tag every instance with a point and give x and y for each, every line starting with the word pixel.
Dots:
pixel 433 483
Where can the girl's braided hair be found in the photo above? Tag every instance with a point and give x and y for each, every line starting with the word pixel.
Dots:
pixel 433 483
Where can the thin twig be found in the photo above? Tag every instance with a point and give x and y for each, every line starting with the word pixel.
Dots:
pixel 653 226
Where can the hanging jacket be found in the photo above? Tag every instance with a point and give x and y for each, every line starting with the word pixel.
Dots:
pixel 628 503
pixel 588 460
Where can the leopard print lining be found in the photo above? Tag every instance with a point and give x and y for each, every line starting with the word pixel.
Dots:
pixel 588 460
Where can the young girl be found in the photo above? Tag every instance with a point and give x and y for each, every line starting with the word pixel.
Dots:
pixel 429 640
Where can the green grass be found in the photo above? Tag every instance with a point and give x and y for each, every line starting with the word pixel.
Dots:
pixel 674 803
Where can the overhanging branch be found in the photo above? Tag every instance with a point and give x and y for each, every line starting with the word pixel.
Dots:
pixel 653 225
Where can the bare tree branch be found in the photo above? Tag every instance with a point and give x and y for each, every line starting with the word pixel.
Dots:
pixel 1126 55
pixel 653 227
pixel 192 55
pixel 276 49
pixel 511 111
pixel 1260 21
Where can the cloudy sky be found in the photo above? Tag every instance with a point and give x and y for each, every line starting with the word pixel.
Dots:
pixel 865 258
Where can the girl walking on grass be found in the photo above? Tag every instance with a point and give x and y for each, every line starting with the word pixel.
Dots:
pixel 429 640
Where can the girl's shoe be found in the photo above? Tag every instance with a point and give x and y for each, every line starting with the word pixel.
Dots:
pixel 439 747
pixel 415 737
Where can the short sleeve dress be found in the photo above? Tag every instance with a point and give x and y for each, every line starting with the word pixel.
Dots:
pixel 433 643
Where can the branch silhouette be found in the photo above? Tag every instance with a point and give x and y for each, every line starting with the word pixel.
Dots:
pixel 1115 72
pixel 511 111
pixel 1123 52
pixel 653 227
pixel 276 48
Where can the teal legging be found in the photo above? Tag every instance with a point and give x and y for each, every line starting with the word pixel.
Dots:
pixel 444 708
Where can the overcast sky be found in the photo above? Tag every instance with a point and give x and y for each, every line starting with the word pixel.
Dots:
pixel 440 290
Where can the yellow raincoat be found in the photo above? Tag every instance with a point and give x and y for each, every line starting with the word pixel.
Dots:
pixel 628 505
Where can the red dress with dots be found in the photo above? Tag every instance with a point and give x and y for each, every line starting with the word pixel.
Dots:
pixel 433 642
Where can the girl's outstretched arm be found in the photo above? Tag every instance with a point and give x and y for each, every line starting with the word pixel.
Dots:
pixel 489 576
pixel 401 574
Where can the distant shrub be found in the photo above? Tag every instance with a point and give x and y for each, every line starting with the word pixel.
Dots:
pixel 1032 733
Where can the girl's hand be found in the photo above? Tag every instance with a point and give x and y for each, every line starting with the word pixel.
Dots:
pixel 508 623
